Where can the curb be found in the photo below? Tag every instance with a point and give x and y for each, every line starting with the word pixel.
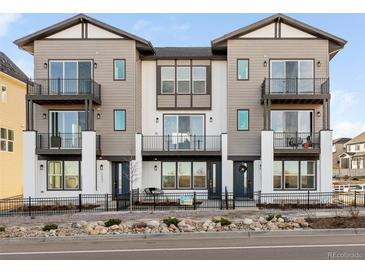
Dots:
pixel 198 235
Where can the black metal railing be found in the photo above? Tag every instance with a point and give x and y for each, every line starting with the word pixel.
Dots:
pixel 59 141
pixel 295 86
pixel 62 86
pixel 296 140
pixel 140 201
pixel 181 142
pixel 98 143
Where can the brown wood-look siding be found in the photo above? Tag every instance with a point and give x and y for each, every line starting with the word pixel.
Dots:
pixel 114 94
pixel 247 94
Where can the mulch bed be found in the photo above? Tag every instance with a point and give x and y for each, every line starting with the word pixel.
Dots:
pixel 336 222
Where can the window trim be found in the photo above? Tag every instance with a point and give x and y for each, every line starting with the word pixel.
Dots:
pixel 125 69
pixel 248 118
pixel 248 69
pixel 63 176
pixel 125 119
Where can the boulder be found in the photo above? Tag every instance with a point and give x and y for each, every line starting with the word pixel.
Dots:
pixel 114 227
pixel 185 227
pixel 173 227
pixel 152 223
pixel 139 225
pixel 262 220
pixel 100 223
pixel 76 225
pixel 280 220
pixel 247 221
pixel 83 223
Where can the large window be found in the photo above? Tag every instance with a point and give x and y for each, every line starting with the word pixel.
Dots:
pixel 184 132
pixel 63 175
pixel 70 76
pixel 119 120
pixel 6 140
pixel 188 79
pixel 291 76
pixel 119 70
pixel 292 121
pixel 242 69
pixel 184 175
pixel 242 119
pixel 294 175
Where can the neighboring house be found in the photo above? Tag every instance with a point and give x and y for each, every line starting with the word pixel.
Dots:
pixel 353 157
pixel 108 111
pixel 338 147
pixel 12 123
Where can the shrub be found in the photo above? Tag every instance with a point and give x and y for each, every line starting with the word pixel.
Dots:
pixel 223 221
pixel 2 228
pixel 171 221
pixel 49 227
pixel 270 217
pixel 111 222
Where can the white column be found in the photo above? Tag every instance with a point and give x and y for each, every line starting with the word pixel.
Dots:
pixel 267 160
pixel 227 166
pixel 257 176
pixel 325 161
pixel 29 163
pixel 136 165
pixel 88 162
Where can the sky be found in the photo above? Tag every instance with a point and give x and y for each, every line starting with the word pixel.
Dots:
pixel 347 74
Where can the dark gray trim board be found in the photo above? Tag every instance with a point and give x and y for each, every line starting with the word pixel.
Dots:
pixel 244 157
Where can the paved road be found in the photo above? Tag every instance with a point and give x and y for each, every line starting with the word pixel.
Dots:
pixel 191 247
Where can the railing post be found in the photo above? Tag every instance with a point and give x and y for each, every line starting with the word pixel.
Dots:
pixel 226 197
pixel 194 141
pixel 308 200
pixel 154 201
pixel 355 199
pixel 233 201
pixel 59 85
pixel 259 197
pixel 30 206
pixel 194 200
pixel 106 202
pixel 168 142
pixel 80 203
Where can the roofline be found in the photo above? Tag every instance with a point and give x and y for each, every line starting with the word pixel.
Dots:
pixel 286 19
pixel 21 42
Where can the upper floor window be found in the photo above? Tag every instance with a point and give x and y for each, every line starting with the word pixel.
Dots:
pixel 183 79
pixel 119 69
pixel 291 76
pixel 243 119
pixel 290 121
pixel 119 120
pixel 242 69
pixel 4 94
pixel 6 140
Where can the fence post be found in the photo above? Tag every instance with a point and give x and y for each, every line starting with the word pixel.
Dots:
pixel 233 201
pixel 363 199
pixel 194 200
pixel 30 205
pixel 226 196
pixel 259 197
pixel 221 201
pixel 355 199
pixel 308 201
pixel 80 202
pixel 106 202
pixel 154 201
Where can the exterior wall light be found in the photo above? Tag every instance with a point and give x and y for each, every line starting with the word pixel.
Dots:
pixel 318 114
pixel 98 116
pixel 155 167
pixel 95 65
pixel 41 167
pixel 44 115
pixel 101 167
pixel 318 63
pixel 45 65
pixel 210 119
pixel 265 63
pixel 157 120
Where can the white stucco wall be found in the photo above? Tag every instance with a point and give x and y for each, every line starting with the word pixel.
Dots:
pixel 267 160
pixel 257 176
pixel 227 166
pixel 88 162
pixel 151 177
pixel 29 163
pixel 104 177
pixel 325 158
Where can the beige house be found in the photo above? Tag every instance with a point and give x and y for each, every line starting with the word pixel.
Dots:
pixel 338 147
pixel 12 123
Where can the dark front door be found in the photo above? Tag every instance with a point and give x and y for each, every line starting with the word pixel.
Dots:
pixel 120 177
pixel 214 180
pixel 243 179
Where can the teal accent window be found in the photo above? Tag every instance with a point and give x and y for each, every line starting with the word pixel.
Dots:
pixel 119 120
pixel 242 69
pixel 243 119
pixel 119 69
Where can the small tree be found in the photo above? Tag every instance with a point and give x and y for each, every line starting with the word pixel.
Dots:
pixel 133 175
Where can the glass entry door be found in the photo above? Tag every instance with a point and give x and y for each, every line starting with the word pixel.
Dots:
pixel 120 178
pixel 214 180
pixel 70 77
pixel 243 179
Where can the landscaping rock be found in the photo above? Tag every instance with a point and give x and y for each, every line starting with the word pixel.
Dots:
pixel 262 220
pixel 152 223
pixel 247 221
pixel 139 225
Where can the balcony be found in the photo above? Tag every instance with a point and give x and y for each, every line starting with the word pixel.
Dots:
pixel 295 90
pixel 296 143
pixel 62 143
pixel 182 144
pixel 63 91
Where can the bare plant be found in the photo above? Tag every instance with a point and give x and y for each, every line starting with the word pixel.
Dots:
pixel 354 212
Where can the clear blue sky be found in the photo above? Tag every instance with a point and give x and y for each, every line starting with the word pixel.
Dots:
pixel 347 68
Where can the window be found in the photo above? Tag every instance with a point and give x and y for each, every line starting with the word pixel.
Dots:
pixel 63 175
pixel 6 140
pixel 307 172
pixel 292 121
pixel 242 69
pixel 119 120
pixel 357 148
pixel 119 69
pixel 199 174
pixel 3 94
pixel 168 175
pixel 184 174
pixel 242 119
pixel 294 175
pixel 10 140
pixel 3 139
pixel 183 80
pixel 167 80
pixel 199 80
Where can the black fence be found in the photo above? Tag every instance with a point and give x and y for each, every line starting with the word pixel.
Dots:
pixel 296 140
pixel 138 201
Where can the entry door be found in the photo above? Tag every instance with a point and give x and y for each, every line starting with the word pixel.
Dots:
pixel 214 180
pixel 121 177
pixel 243 179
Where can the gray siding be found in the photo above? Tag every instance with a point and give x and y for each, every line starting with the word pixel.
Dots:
pixel 114 94
pixel 247 94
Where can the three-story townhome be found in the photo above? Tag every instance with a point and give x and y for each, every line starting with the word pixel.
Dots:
pixel 109 112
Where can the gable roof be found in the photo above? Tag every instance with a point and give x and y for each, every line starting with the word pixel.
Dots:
pixel 341 140
pixel 26 42
pixel 336 42
pixel 358 139
pixel 7 66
